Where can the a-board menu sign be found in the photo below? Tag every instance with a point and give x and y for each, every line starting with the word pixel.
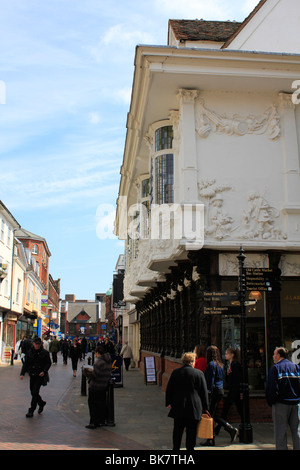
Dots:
pixel 150 370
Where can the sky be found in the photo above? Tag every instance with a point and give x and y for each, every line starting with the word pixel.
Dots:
pixel 66 72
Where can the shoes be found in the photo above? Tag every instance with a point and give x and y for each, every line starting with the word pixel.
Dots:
pixel 233 432
pixel 94 426
pixel 29 413
pixel 208 443
pixel 41 407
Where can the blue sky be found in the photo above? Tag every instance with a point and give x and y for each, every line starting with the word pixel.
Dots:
pixel 67 70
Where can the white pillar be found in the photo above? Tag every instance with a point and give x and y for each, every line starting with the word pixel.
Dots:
pixel 188 150
pixel 291 166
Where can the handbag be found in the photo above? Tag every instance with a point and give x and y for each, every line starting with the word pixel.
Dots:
pixel 205 428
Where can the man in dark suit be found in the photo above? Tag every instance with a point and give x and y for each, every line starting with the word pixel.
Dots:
pixel 187 396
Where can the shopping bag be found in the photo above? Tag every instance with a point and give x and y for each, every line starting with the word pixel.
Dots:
pixel 205 427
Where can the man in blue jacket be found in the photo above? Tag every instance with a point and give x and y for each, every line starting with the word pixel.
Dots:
pixel 283 394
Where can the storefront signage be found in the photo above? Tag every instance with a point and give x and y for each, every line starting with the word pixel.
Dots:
pixel 117 370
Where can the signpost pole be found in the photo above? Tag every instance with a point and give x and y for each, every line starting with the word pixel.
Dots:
pixel 245 431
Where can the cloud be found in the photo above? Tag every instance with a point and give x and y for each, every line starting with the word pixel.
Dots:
pixel 117 40
pixel 94 117
pixel 196 9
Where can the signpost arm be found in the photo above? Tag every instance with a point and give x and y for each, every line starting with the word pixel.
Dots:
pixel 245 432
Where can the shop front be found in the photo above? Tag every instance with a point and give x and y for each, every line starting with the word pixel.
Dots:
pixel 8 324
pixel 175 316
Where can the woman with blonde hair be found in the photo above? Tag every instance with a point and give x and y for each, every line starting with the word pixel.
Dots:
pixel 187 398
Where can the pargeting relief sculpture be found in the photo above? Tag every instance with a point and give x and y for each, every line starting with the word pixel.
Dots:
pixel 218 222
pixel 208 121
pixel 258 221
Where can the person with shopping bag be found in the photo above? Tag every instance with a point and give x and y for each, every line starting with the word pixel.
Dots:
pixel 187 398
pixel 126 353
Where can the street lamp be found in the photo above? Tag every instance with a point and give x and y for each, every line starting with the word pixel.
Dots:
pixel 245 431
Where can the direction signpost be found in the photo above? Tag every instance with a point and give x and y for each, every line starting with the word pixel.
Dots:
pixel 259 279
pixel 245 431
pixel 250 279
pixel 219 297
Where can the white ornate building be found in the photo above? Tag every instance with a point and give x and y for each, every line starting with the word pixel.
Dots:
pixel 214 122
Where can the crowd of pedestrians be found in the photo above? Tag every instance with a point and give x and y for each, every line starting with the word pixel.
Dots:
pixel 38 356
pixel 198 386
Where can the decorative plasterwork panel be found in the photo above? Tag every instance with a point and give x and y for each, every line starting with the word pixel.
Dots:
pixel 229 264
pixel 218 223
pixel 208 121
pixel 259 221
pixel 290 265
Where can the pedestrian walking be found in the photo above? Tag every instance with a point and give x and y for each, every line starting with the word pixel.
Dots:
pixel 25 346
pixel 126 353
pixel 65 350
pixel 214 376
pixel 75 354
pixel 201 362
pixel 54 348
pixel 234 393
pixel 46 343
pixel 37 363
pixel 283 394
pixel 108 345
pixel 99 378
pixel 83 345
pixel 187 398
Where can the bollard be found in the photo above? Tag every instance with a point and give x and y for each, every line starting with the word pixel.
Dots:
pixel 12 357
pixel 89 361
pixel 110 405
pixel 83 383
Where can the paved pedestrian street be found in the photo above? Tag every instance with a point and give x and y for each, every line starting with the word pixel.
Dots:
pixel 141 419
pixel 62 424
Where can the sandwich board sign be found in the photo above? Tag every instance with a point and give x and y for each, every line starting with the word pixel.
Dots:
pixel 150 370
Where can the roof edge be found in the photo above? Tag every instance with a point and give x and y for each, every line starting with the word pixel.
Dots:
pixel 244 23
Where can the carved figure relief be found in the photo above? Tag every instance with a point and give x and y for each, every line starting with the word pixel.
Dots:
pixel 218 222
pixel 229 265
pixel 290 265
pixel 259 219
pixel 208 121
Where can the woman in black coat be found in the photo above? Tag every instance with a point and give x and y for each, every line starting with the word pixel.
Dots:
pixel 187 398
pixel 75 354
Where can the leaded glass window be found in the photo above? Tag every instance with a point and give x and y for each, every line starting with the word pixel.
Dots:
pixel 163 138
pixel 164 179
